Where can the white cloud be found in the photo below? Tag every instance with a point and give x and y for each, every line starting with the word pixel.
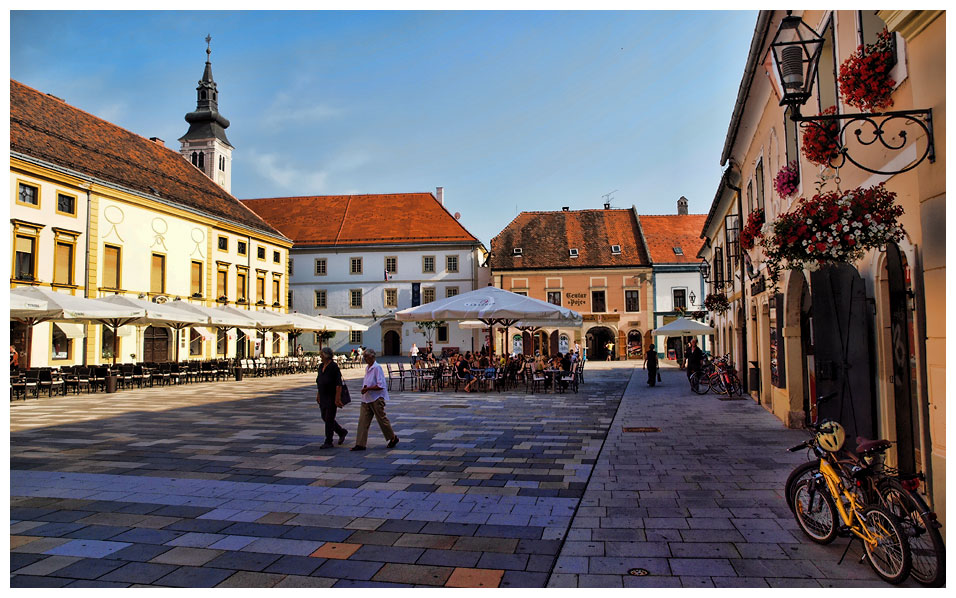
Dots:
pixel 287 176
pixel 289 110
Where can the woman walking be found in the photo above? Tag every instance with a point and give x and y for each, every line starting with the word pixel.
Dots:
pixel 329 396
pixel 650 364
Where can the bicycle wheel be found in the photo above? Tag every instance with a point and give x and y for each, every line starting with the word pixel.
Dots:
pixel 890 556
pixel 804 471
pixel 925 542
pixel 717 384
pixel 699 383
pixel 815 512
pixel 734 388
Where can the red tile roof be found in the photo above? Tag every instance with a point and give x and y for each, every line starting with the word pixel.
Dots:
pixel 664 233
pixel 49 129
pixel 545 239
pixel 374 219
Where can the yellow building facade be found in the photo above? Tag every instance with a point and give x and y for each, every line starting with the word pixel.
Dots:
pixel 874 332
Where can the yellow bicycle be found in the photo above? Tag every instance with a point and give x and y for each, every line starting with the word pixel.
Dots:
pixel 819 500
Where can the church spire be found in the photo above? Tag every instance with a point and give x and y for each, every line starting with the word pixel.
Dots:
pixel 205 144
pixel 206 121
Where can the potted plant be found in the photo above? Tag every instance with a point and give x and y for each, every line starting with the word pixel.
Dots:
pixel 864 78
pixel 276 304
pixel 821 140
pixel 196 295
pixel 716 302
pixel 838 226
pixel 241 300
pixel 222 299
pixel 261 302
pixel 752 230
pixel 787 180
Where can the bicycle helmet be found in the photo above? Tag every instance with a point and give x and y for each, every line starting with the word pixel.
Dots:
pixel 830 436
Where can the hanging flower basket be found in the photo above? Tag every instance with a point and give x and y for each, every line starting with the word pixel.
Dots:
pixel 717 303
pixel 839 226
pixel 752 230
pixel 821 141
pixel 865 81
pixel 787 180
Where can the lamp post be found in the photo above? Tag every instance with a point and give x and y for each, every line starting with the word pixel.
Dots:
pixel 796 50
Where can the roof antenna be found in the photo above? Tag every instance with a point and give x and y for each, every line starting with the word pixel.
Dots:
pixel 607 199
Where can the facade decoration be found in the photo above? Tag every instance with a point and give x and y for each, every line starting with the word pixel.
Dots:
pixel 865 81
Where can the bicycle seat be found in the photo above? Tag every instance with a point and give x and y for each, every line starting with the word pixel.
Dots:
pixel 865 446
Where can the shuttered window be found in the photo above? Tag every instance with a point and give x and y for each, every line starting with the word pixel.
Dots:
pixel 221 287
pixel 24 254
pixel 195 278
pixel 111 267
pixel 275 290
pixel 261 289
pixel 157 274
pixel 63 263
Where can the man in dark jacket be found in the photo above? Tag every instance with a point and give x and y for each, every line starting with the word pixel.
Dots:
pixel 695 357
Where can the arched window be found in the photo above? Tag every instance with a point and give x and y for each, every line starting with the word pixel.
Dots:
pixel 195 159
pixel 202 95
pixel 202 161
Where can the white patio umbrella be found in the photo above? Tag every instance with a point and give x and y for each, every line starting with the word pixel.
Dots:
pixel 219 318
pixel 683 327
pixel 162 314
pixel 261 320
pixel 320 323
pixel 491 305
pixel 34 305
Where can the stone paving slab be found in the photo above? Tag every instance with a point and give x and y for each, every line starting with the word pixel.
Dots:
pixel 224 485
pixel 698 504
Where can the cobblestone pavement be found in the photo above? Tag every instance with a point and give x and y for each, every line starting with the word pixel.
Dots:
pixel 698 503
pixel 224 485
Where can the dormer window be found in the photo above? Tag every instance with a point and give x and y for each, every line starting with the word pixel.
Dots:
pixel 573 252
pixel 678 251
pixel 615 250
pixel 516 252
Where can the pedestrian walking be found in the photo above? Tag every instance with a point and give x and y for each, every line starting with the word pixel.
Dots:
pixel 413 353
pixel 374 397
pixel 610 350
pixel 329 396
pixel 650 364
pixel 695 357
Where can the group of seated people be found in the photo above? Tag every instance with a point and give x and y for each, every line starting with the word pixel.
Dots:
pixel 470 367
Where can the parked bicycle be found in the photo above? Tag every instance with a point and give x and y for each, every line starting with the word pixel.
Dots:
pixel 719 375
pixel 875 483
pixel 830 502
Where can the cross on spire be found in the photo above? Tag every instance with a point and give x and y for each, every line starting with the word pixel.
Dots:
pixel 208 51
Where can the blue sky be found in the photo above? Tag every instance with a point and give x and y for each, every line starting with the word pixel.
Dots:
pixel 507 111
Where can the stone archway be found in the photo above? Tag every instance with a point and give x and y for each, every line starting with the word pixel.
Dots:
pixel 597 339
pixel 635 344
pixel 391 337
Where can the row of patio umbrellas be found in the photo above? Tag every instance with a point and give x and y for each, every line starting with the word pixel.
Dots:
pixel 33 305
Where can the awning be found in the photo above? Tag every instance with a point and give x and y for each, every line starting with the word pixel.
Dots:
pixel 250 332
pixel 205 333
pixel 72 330
pixel 126 330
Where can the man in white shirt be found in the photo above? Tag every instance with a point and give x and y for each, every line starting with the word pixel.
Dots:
pixel 374 397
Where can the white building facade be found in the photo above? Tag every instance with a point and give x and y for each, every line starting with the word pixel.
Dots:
pixel 421 254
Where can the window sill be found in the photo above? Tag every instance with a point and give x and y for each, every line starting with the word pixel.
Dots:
pixel 57 285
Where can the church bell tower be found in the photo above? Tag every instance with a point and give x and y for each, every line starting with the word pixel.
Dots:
pixel 205 144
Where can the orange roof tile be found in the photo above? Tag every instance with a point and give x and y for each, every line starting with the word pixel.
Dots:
pixel 374 219
pixel 545 239
pixel 49 129
pixel 664 233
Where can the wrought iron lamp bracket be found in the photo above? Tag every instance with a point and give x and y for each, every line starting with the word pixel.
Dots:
pixel 872 128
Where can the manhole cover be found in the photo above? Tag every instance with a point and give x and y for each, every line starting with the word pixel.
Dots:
pixel 454 406
pixel 638 572
pixel 641 430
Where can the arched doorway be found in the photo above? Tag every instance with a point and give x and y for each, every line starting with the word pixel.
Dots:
pixel 635 344
pixel 391 343
pixel 155 344
pixel 597 340
pixel 903 358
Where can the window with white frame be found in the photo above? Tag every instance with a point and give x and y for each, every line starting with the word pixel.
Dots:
pixel 451 291
pixel 355 298
pixel 451 263
pixel 321 298
pixel 355 337
pixel 355 265
pixel 321 266
pixel 428 264
pixel 391 297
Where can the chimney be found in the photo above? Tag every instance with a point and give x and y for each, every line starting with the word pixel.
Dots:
pixel 566 208
pixel 158 141
pixel 682 206
pixel 440 195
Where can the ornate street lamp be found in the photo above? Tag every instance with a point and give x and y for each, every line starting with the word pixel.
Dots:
pixel 705 269
pixel 693 298
pixel 796 52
